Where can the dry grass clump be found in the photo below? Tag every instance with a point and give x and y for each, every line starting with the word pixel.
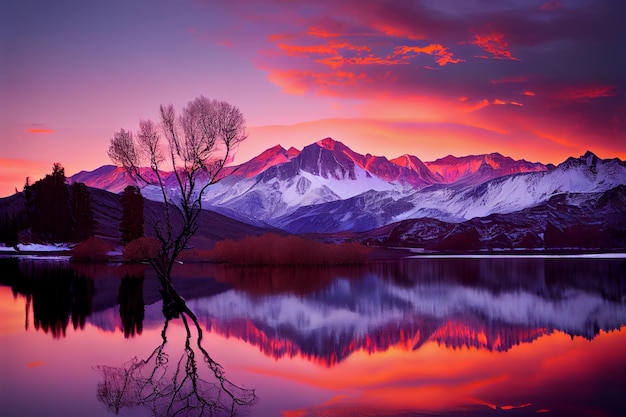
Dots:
pixel 141 249
pixel 271 249
pixel 93 249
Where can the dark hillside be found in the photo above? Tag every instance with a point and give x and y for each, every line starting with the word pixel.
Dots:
pixel 212 226
pixel 107 213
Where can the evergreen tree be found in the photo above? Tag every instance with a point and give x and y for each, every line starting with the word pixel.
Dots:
pixel 82 213
pixel 131 224
pixel 12 229
pixel 51 217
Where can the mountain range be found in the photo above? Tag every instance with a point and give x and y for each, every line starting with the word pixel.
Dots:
pixel 491 200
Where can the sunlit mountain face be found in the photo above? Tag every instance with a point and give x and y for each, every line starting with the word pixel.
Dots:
pixel 458 303
pixel 328 188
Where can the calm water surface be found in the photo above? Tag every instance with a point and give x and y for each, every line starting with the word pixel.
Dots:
pixel 413 337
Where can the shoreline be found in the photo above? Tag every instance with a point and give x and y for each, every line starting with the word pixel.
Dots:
pixel 378 254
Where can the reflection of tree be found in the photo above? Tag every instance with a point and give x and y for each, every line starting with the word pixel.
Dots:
pixel 174 387
pixel 130 299
pixel 57 294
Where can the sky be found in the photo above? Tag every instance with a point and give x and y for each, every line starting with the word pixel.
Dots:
pixel 539 80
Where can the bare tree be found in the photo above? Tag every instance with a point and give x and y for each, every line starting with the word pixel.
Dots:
pixel 194 146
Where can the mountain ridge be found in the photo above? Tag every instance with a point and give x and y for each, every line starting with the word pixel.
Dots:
pixel 327 187
pixel 272 156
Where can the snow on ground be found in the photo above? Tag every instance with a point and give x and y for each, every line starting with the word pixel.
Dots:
pixel 36 247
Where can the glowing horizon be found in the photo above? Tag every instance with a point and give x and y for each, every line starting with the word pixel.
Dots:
pixel 537 80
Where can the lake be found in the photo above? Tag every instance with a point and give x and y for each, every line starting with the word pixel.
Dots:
pixel 417 336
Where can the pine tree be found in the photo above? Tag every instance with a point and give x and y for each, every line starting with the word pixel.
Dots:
pixel 131 224
pixel 51 217
pixel 82 213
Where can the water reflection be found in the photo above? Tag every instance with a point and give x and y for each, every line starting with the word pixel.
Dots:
pixel 173 387
pixel 491 304
pixel 131 304
pixel 443 336
pixel 58 294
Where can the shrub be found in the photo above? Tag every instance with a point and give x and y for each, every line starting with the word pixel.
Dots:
pixel 92 249
pixel 271 249
pixel 141 250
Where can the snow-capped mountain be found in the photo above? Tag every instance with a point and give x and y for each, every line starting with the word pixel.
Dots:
pixel 459 202
pixel 327 187
pixel 108 177
pixel 477 169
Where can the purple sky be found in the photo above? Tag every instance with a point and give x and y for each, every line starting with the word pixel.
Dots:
pixel 540 80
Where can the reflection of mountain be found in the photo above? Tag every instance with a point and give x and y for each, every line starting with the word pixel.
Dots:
pixel 458 303
pixel 327 314
pixel 334 348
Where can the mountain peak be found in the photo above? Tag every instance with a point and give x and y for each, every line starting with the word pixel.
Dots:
pixel 589 157
pixel 292 152
pixel 328 143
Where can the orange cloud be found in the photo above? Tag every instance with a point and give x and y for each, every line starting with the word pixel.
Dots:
pixel 495 44
pixel 331 48
pixel 504 102
pixel 529 93
pixel 338 61
pixel 40 131
pixel 444 56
